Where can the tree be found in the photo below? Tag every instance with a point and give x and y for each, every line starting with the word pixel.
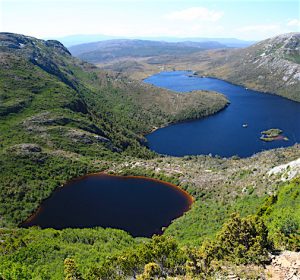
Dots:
pixel 202 261
pixel 165 252
pixel 71 270
pixel 243 240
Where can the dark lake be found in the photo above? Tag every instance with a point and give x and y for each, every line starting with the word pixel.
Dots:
pixel 223 134
pixel 137 205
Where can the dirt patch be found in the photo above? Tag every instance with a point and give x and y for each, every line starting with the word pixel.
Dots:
pixel 285 266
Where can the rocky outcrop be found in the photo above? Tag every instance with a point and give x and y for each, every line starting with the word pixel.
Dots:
pixel 9 41
pixel 25 149
pixel 285 266
pixel 15 107
pixel 41 121
pixel 287 171
pixel 78 135
pixel 58 46
pixel 272 65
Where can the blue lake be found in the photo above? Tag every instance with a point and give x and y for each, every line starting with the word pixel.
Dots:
pixel 223 134
pixel 138 205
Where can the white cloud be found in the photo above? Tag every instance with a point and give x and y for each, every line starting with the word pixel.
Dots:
pixel 294 22
pixel 195 13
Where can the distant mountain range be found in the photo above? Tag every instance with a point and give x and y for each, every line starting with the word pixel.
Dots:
pixel 73 40
pixel 103 51
pixel 271 65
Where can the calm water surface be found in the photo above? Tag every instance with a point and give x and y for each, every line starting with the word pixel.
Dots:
pixel 223 133
pixel 137 205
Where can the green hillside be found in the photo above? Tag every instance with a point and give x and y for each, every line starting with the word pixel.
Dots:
pixel 61 118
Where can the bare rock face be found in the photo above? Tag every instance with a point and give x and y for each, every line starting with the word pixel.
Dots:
pixel 11 41
pixel 282 55
pixel 287 171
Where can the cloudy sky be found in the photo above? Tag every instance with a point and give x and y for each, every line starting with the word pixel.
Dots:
pixel 250 20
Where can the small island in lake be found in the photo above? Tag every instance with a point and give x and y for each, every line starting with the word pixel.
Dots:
pixel 272 134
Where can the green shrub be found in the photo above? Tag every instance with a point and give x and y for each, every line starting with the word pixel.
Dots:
pixel 151 271
pixel 243 240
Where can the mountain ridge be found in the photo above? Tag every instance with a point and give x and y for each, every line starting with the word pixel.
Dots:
pixel 73 40
pixel 272 65
pixel 102 51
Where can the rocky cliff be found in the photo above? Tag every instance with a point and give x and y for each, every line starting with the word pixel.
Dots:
pixel 272 65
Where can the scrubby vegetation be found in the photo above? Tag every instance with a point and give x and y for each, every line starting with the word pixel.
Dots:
pixel 40 254
pixel 61 118
pixel 282 216
pixel 112 254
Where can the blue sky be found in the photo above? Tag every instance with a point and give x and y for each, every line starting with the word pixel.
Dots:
pixel 250 20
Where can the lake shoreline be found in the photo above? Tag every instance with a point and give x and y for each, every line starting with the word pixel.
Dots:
pixel 187 120
pixel 169 141
pixel 190 199
pixel 196 74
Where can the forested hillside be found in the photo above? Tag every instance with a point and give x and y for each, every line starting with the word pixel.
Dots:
pixel 61 118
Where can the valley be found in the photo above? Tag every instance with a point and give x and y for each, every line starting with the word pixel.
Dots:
pixel 62 118
pixel 270 66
